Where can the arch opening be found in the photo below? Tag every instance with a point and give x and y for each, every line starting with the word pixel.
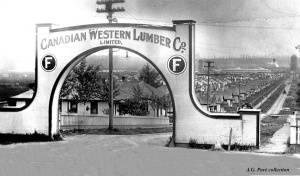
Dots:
pixel 57 88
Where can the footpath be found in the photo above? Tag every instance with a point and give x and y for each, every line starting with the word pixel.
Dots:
pixel 278 143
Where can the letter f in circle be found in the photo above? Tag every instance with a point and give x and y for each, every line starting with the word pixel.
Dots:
pixel 175 64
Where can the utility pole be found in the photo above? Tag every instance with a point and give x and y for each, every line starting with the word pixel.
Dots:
pixel 110 10
pixel 208 67
pixel 240 78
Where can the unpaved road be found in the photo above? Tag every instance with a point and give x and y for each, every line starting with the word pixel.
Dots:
pixel 139 155
pixel 277 106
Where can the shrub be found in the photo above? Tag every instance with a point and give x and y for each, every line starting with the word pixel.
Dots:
pixel 193 143
pixel 57 137
pixel 240 147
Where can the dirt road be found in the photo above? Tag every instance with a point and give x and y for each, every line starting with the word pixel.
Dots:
pixel 277 106
pixel 140 155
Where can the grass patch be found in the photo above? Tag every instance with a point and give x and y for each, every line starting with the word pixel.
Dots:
pixel 293 149
pixel 269 126
pixel 239 147
pixel 117 131
pixel 6 139
pixel 193 144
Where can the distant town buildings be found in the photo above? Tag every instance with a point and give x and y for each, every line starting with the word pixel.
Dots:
pixel 230 90
pixel 243 70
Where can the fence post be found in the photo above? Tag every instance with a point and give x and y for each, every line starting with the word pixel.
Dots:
pixel 229 143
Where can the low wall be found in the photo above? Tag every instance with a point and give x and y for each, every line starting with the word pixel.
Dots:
pixel 245 129
pixel 92 122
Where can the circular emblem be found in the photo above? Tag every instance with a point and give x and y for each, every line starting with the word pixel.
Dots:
pixel 49 62
pixel 176 64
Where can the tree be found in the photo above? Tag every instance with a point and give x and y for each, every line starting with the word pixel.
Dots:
pixel 83 83
pixel 164 102
pixel 137 105
pixel 67 87
pixel 150 76
pixel 298 95
pixel 105 88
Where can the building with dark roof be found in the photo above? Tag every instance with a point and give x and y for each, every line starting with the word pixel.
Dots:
pixel 20 100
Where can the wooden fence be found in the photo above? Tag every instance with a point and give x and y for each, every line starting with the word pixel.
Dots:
pixel 95 122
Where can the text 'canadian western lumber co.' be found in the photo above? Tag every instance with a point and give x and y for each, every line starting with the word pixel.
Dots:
pixel 114 37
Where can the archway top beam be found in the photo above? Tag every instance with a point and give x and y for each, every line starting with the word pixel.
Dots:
pixel 109 25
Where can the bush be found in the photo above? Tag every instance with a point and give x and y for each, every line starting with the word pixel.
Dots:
pixel 239 147
pixel 57 137
pixel 193 143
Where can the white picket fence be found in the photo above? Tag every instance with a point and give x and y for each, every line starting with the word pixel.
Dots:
pixel 95 122
pixel 295 130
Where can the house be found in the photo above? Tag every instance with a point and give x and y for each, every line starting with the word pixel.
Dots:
pixel 126 92
pixel 99 107
pixel 228 98
pixel 202 98
pixel 94 113
pixel 3 104
pixel 20 100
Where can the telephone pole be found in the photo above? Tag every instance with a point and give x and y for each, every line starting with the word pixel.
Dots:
pixel 110 10
pixel 240 79
pixel 208 67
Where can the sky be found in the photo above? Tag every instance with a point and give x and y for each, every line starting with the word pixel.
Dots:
pixel 223 27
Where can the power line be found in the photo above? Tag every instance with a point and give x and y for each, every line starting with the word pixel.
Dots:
pixel 237 47
pixel 273 9
pixel 221 25
pixel 247 27
pixel 167 23
pixel 251 19
pixel 128 7
pixel 134 11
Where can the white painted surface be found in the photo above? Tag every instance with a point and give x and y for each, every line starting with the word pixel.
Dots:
pixel 294 130
pixel 189 122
